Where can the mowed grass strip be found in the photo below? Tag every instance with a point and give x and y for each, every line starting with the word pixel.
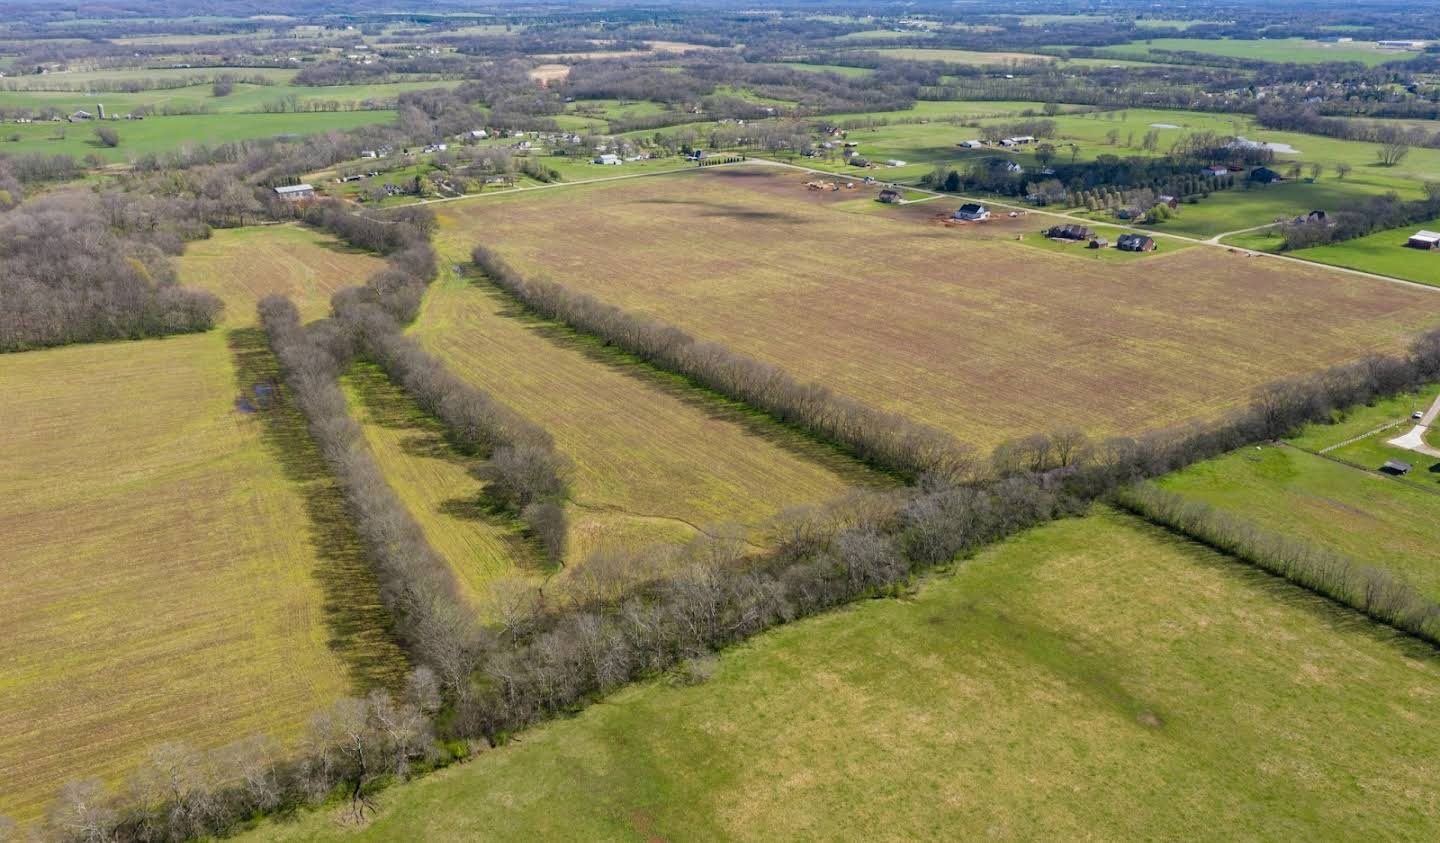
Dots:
pixel 172 569
pixel 244 265
pixel 1363 514
pixel 960 327
pixel 1092 679
pixel 439 486
pixel 655 458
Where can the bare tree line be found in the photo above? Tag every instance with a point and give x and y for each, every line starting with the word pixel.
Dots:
pixel 524 472
pixel 1373 591
pixel 888 440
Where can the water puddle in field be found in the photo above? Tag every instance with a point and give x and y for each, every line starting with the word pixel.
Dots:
pixel 1163 126
pixel 1273 147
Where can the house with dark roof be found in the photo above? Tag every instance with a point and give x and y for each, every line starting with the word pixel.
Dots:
pixel 1135 243
pixel 890 197
pixel 1265 175
pixel 972 212
pixel 1069 231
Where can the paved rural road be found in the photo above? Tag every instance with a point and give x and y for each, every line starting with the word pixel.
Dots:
pixel 1415 439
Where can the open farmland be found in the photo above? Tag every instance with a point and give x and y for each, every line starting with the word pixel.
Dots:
pixel 244 265
pixel 654 458
pixel 201 98
pixel 161 134
pixel 959 327
pixel 1094 678
pixel 1291 50
pixel 173 569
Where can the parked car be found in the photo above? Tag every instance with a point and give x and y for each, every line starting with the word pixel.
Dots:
pixel 1417 415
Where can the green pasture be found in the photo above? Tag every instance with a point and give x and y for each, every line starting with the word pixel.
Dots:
pixel 1383 252
pixel 160 134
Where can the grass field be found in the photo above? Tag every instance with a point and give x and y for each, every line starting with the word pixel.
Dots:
pixel 655 460
pixel 172 568
pixel 1292 50
pixel 1383 252
pixel 1093 679
pixel 1366 515
pixel 244 265
pixel 244 98
pixel 160 134
pixel 962 327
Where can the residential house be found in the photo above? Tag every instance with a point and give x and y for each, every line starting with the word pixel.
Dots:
pixel 972 212
pixel 1265 175
pixel 1069 231
pixel 1135 243
pixel 890 197
pixel 1217 170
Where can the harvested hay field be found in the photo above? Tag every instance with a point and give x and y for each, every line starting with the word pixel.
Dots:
pixel 172 569
pixel 1092 679
pixel 655 459
pixel 959 326
pixel 244 265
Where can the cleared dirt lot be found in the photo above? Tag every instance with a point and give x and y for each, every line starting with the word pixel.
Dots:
pixel 961 327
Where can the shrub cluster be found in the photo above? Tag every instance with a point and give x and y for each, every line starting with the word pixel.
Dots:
pixel 1373 591
pixel 888 440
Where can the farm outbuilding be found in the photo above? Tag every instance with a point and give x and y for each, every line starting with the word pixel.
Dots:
pixel 1396 467
pixel 296 192
pixel 1424 240
pixel 1135 243
pixel 972 212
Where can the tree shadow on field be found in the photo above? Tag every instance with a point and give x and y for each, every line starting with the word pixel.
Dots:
pixel 391 407
pixel 358 622
pixel 1334 616
pixel 715 406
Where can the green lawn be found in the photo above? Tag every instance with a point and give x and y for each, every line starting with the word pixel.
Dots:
pixel 1079 249
pixel 159 134
pixel 200 98
pixel 840 69
pixel 1295 50
pixel 1383 252
pixel 1092 679
pixel 1368 516
pixel 959 56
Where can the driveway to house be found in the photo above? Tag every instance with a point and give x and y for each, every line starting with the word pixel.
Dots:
pixel 1415 439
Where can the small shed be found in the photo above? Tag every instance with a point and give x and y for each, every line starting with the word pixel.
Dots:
pixel 1424 240
pixel 608 160
pixel 1098 243
pixel 1396 467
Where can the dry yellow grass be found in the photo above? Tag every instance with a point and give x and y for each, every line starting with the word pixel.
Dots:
pixel 244 265
pixel 655 459
pixel 171 568
pixel 960 327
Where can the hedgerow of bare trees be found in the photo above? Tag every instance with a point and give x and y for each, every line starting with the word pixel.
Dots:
pixel 889 440
pixel 1372 591
pixel 524 472
pixel 416 584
